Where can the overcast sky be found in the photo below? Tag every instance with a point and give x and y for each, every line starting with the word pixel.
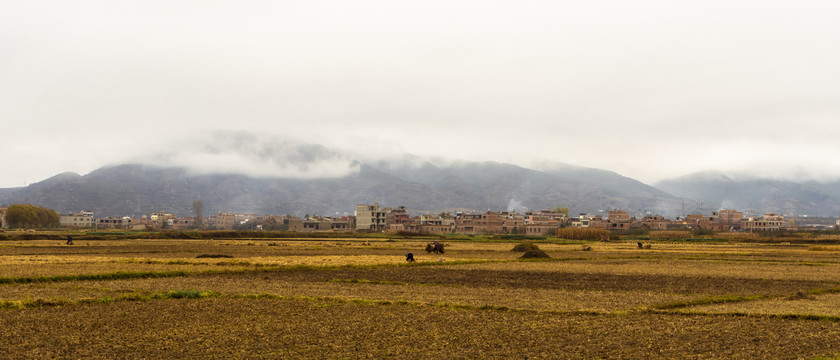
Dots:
pixel 649 89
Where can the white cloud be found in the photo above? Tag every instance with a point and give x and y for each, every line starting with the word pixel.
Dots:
pixel 253 155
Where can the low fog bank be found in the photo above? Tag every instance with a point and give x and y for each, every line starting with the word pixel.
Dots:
pixel 253 155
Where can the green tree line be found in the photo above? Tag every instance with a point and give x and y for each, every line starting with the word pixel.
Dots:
pixel 31 216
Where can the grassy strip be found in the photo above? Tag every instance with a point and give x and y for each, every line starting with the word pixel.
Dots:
pixel 450 306
pixel 708 301
pixel 108 276
pixel 272 267
pixel 120 275
pixel 174 294
pixel 810 317
pixel 772 261
pixel 188 235
pixel 366 281
pixel 829 357
pixel 184 262
pixel 824 291
pixel 324 301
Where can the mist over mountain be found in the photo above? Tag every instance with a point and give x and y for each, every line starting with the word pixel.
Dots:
pixel 247 173
pixel 251 154
pixel 423 185
pixel 714 190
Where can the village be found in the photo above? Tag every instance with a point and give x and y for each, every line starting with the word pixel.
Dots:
pixel 374 218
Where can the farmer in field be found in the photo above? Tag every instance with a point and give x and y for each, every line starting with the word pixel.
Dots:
pixel 436 246
pixel 69 240
pixel 409 257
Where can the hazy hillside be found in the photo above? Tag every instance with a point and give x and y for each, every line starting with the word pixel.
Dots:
pixel 6 194
pixel 425 187
pixel 716 190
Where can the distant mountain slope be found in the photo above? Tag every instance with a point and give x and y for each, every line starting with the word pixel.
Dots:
pixel 504 186
pixel 6 194
pixel 424 187
pixel 717 190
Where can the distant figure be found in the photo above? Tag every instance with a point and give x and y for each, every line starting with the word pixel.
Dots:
pixel 69 240
pixel 640 245
pixel 436 247
pixel 409 257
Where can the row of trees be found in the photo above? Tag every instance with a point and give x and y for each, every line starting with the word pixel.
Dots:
pixel 31 216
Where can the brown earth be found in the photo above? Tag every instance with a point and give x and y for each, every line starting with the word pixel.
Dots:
pixel 723 301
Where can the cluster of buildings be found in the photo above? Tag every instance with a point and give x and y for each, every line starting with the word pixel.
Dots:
pixel 373 218
pixel 544 222
pixel 219 221
pixel 723 220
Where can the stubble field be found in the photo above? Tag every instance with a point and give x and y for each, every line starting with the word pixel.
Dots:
pixel 357 298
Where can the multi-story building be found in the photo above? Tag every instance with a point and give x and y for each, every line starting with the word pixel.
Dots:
pixel 730 217
pixel 370 217
pixel 617 220
pixel 656 222
pixel 543 222
pixel 82 219
pixel 541 229
pixel 582 221
pixel 181 223
pixel 768 222
pixel 221 221
pixel 435 224
pixel 114 222
pixel 513 222
pixel 487 223
pixel 712 222
pixel 396 216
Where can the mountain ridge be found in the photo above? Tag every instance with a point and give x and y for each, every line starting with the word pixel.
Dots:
pixel 422 186
pixel 716 190
pixel 132 189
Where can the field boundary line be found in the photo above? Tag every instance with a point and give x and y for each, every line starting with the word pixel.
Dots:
pixel 119 275
pixel 709 300
pixel 46 302
pixel 208 294
pixel 788 316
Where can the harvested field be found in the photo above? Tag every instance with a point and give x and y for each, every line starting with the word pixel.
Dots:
pixel 304 328
pixel 805 305
pixel 356 298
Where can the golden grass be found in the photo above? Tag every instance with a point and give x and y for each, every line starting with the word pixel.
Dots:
pixel 324 328
pixel 824 248
pixel 330 298
pixel 719 269
pixel 227 285
pixel 53 266
pixel 572 233
pixel 669 235
pixel 820 305
pixel 729 235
